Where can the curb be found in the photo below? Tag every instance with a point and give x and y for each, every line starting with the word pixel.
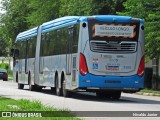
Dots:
pixel 148 94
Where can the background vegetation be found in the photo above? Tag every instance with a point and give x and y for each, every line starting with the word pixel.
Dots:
pixel 22 105
pixel 21 15
pixel 7 67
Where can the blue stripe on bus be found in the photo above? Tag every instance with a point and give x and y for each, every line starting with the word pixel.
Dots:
pixel 69 20
pixel 141 21
pixel 83 19
pixel 113 18
pixel 111 81
pixel 27 34
pixel 58 26
pixel 59 21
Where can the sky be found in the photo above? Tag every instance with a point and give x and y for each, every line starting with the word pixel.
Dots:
pixel 1 10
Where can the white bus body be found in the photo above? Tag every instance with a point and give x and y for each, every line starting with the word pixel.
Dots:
pixel 102 54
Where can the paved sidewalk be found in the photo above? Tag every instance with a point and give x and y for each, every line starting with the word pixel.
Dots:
pixel 147 94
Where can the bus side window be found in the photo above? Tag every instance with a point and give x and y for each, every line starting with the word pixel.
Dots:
pixel 75 40
pixel 70 39
pixel 42 44
pixel 72 42
pixel 16 53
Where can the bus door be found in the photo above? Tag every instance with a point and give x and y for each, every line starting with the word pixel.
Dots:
pixel 41 59
pixel 70 57
pixel 26 58
pixel 69 51
pixel 24 62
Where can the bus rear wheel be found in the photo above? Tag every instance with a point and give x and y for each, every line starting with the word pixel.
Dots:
pixel 58 90
pixel 116 95
pixel 31 87
pixel 100 94
pixel 66 93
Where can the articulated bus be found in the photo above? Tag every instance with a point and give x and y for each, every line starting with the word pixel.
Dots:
pixel 103 54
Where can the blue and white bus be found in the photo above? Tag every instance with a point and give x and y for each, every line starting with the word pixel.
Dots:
pixel 102 54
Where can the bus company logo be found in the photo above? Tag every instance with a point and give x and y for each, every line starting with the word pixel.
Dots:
pixel 113 60
pixel 95 60
pixel 6 114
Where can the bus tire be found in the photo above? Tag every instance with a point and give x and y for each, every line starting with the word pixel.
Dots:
pixel 17 77
pixel 66 93
pixel 58 90
pixel 20 86
pixel 53 89
pixel 38 88
pixel 116 95
pixel 100 94
pixel 31 87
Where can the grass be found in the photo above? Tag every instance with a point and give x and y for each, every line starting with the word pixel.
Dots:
pixel 10 77
pixel 22 105
pixel 150 91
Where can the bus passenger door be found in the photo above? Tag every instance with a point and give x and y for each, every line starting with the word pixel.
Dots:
pixel 41 60
pixel 26 58
pixel 69 51
pixel 24 62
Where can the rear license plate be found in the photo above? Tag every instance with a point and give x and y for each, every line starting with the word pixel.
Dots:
pixel 112 68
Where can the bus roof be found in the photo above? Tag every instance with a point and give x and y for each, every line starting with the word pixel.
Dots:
pixel 27 34
pixel 60 22
pixel 70 20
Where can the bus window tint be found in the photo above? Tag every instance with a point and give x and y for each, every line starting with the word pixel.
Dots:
pixel 22 49
pixel 75 39
pixel 31 47
pixel 55 42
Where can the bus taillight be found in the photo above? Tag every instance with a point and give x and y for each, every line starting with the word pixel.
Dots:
pixel 141 67
pixel 83 65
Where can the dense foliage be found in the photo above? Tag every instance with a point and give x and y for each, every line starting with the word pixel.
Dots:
pixel 149 10
pixel 24 14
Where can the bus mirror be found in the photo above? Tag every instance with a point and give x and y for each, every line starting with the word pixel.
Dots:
pixel 16 53
pixel 12 52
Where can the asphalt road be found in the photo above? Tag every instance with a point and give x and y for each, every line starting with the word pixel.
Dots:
pixel 83 101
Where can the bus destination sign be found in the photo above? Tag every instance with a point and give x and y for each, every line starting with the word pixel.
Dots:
pixel 108 30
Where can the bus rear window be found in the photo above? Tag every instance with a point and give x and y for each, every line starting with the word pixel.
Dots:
pixel 101 30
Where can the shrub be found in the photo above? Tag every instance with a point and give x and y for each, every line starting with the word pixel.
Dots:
pixel 6 66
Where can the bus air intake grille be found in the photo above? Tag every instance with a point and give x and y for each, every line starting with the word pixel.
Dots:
pixel 105 47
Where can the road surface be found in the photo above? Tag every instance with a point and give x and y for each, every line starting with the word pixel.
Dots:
pixel 83 101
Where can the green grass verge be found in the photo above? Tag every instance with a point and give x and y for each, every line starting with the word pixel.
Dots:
pixel 10 77
pixel 7 104
pixel 150 91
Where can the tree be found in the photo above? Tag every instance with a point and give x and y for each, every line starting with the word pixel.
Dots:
pixel 14 20
pixel 42 11
pixel 149 10
pixel 22 15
